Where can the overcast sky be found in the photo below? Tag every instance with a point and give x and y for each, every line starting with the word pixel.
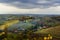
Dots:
pixel 29 6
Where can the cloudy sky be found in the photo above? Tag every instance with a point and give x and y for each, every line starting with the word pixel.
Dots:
pixel 29 6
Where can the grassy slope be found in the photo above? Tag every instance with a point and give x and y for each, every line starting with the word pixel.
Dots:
pixel 8 23
pixel 54 31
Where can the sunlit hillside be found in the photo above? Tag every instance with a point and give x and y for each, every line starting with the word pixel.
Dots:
pixel 54 31
pixel 8 23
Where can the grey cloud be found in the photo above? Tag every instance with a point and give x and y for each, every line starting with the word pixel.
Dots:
pixel 32 3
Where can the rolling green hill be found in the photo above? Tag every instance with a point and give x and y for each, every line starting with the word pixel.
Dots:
pixel 54 31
